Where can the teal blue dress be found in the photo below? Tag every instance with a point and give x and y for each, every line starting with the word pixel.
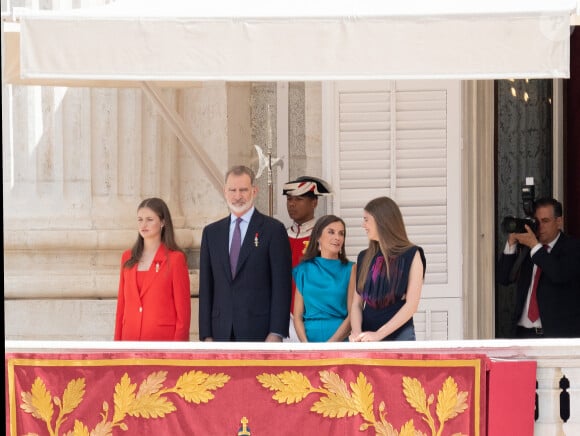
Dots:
pixel 323 284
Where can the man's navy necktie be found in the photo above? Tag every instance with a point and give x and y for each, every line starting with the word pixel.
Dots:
pixel 235 248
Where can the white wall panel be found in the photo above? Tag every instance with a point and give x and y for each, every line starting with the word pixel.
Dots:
pixel 401 139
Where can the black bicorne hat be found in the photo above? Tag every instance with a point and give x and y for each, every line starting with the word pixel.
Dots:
pixel 307 185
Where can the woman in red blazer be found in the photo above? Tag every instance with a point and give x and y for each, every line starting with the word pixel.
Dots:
pixel 154 302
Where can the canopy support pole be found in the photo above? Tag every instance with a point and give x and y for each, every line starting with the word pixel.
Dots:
pixel 178 126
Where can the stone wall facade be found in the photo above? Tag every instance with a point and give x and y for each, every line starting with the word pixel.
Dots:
pixel 78 161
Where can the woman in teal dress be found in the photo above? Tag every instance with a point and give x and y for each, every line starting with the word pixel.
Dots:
pixel 325 282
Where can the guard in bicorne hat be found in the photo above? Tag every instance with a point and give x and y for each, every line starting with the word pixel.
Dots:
pixel 301 201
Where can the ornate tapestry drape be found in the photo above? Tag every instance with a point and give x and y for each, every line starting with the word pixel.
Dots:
pixel 221 393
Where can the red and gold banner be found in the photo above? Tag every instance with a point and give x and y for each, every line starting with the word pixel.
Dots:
pixel 245 393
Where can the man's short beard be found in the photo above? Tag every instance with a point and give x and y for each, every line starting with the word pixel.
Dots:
pixel 240 209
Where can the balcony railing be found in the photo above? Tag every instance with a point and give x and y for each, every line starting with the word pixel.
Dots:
pixel 558 365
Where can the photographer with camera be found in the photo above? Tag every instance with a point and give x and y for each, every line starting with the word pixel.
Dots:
pixel 546 265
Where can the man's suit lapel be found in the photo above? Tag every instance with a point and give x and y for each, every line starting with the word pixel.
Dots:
pixel 559 244
pixel 224 243
pixel 248 243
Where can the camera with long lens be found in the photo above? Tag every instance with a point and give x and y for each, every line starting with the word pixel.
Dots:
pixel 511 224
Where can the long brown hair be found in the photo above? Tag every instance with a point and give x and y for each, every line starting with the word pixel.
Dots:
pixel 158 206
pixel 313 249
pixel 391 232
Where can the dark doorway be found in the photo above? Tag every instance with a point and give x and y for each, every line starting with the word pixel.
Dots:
pixel 524 148
pixel 571 152
pixel 523 157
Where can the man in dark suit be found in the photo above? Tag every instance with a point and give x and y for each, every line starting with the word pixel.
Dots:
pixel 247 299
pixel 551 308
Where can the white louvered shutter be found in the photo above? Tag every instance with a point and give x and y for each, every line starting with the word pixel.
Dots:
pixel 402 140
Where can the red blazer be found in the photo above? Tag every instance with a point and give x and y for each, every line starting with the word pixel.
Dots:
pixel 162 310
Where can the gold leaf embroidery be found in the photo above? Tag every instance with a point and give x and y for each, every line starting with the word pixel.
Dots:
pixel 294 378
pixel 335 406
pixel 417 398
pixel 363 397
pixel 271 381
pixel 152 384
pixel 151 406
pixel 415 394
pixel 103 429
pixel 27 405
pixel 384 428
pixel 123 397
pixel 338 402
pixel 195 386
pixel 38 401
pixel 408 429
pixel 334 383
pixel 148 402
pixel 291 386
pixel 79 430
pixel 73 395
pixel 449 402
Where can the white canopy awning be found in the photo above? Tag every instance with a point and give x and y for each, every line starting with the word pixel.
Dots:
pixel 139 40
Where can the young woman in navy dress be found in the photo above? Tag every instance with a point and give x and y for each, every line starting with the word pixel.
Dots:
pixel 390 275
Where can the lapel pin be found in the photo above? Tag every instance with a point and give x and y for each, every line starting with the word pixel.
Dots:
pixel 256 241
